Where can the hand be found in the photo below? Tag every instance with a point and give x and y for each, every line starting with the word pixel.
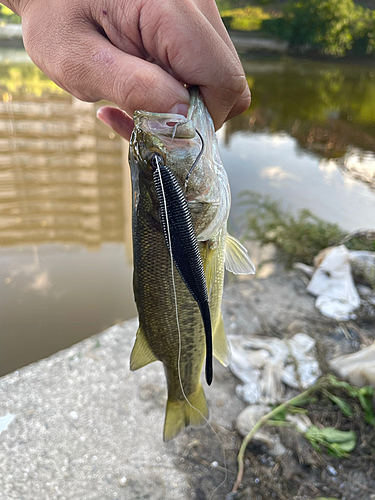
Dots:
pixel 137 54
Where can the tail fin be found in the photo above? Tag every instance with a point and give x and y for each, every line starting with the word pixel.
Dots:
pixel 180 414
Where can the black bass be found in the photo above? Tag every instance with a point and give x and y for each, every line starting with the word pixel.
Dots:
pixel 181 202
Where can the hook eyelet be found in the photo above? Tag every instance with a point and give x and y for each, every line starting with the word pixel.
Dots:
pixel 155 160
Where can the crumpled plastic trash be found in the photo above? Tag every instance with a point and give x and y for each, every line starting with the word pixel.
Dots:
pixel 333 285
pixel 246 421
pixel 357 368
pixel 264 364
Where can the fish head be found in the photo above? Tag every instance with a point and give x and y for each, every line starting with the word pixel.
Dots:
pixel 175 141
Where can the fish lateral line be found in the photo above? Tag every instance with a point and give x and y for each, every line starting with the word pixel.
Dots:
pixel 182 243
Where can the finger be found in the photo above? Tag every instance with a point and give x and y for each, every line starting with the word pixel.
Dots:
pixel 241 105
pixel 95 70
pixel 211 12
pixel 117 119
pixel 201 57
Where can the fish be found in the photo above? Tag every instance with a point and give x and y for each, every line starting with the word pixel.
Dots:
pixel 181 202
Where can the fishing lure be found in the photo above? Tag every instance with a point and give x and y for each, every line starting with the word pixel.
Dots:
pixel 183 244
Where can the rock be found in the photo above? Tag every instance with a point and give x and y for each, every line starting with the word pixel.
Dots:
pixel 269 305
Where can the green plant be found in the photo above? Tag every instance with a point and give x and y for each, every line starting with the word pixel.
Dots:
pixel 297 238
pixel 338 443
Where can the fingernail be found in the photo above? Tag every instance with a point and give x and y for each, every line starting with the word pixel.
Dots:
pixel 102 118
pixel 180 109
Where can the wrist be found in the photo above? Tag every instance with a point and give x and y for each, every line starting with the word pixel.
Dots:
pixel 17 6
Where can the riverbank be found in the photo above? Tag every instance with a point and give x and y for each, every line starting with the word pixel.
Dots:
pixel 80 425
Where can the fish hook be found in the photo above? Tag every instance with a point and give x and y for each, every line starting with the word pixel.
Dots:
pixel 196 160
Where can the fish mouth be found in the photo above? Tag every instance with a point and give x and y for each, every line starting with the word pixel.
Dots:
pixel 165 124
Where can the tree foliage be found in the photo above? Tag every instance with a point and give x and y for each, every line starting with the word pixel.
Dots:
pixel 332 27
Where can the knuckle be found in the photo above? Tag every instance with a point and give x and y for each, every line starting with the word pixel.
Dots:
pixel 236 85
pixel 132 91
pixel 234 91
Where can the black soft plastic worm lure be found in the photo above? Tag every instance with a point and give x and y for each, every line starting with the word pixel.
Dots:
pixel 185 250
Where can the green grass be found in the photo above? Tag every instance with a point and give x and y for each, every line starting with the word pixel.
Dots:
pixel 245 19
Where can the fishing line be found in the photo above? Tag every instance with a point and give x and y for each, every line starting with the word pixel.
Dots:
pixel 178 325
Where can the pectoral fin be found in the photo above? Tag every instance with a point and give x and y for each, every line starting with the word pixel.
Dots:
pixel 221 346
pixel 237 260
pixel 141 354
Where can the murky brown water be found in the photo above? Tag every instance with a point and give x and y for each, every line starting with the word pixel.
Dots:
pixel 65 215
pixel 65 204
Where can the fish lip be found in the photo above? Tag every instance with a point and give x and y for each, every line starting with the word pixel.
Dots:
pixel 164 124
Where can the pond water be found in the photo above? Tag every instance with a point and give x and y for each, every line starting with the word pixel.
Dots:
pixel 65 204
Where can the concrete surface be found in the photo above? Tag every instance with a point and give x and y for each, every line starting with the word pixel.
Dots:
pixel 9 31
pixel 252 43
pixel 79 425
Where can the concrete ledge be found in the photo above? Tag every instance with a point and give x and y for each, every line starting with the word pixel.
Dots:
pixel 251 43
pixel 11 36
pixel 9 31
pixel 85 427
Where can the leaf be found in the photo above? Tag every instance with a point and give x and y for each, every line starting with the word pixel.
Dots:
pixel 339 443
pixel 351 390
pixel 341 403
pixel 280 415
pixel 366 404
pixel 344 438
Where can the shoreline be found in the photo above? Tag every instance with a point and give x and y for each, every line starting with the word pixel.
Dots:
pixel 255 42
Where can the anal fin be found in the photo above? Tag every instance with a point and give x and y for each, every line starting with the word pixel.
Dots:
pixel 141 354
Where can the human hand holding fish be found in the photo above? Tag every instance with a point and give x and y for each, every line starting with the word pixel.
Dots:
pixel 181 202
pixel 136 53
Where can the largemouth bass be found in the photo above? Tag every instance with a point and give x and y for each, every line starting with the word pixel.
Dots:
pixel 181 202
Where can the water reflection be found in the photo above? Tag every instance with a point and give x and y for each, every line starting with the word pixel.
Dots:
pixel 65 219
pixel 61 175
pixel 65 203
pixel 329 108
pixel 307 138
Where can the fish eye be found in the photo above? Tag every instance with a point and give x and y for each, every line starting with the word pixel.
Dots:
pixel 155 160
